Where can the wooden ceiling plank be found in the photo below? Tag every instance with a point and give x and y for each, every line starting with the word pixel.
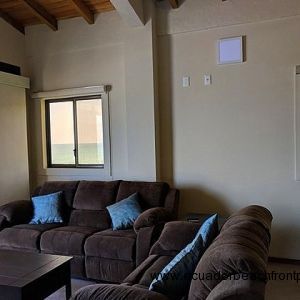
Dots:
pixel 14 23
pixel 41 13
pixel 174 3
pixel 84 11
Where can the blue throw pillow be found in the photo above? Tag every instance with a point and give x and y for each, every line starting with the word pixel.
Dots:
pixel 47 209
pixel 125 212
pixel 174 280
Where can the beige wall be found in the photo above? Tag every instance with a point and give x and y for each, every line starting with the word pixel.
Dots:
pixel 231 144
pixel 109 52
pixel 12 46
pixel 224 146
pixel 141 99
pixel 14 175
pixel 196 15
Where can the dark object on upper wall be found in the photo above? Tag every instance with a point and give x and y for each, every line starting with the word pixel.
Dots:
pixel 7 68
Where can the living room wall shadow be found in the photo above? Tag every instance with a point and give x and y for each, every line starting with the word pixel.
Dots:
pixel 12 46
pixel 108 52
pixel 233 140
pixel 226 145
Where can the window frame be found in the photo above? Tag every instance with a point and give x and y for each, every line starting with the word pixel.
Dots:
pixel 74 173
pixel 74 101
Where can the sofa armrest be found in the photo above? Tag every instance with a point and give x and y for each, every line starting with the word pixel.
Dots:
pixel 238 289
pixel 148 227
pixel 172 202
pixel 113 292
pixel 17 212
pixel 152 217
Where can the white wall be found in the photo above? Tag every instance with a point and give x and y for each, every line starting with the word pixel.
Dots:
pixel 231 144
pixel 108 52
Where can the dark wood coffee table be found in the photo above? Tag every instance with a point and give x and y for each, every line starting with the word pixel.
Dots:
pixel 33 276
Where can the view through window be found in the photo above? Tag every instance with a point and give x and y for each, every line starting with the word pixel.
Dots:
pixel 75 132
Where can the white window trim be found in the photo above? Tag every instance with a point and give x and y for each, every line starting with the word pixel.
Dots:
pixel 101 173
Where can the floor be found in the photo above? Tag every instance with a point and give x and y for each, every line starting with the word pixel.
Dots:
pixel 287 289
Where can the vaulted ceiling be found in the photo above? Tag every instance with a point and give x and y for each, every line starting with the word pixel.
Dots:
pixel 22 13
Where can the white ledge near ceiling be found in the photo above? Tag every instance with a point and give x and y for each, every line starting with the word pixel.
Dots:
pixel 14 80
pixel 72 92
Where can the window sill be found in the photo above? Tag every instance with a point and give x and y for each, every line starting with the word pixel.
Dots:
pixel 99 172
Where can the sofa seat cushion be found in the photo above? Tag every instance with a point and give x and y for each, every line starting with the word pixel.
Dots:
pixel 112 244
pixel 67 240
pixel 24 237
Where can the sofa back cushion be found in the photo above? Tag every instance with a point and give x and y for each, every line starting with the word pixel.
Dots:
pixel 174 237
pixel 95 195
pixel 174 280
pixel 241 248
pixel 152 194
pixel 99 219
pixel 67 187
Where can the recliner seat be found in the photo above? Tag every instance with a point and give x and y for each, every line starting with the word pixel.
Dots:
pixel 239 253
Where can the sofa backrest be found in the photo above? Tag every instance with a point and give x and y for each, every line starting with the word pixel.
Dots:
pixel 88 199
pixel 90 202
pixel 95 195
pixel 152 194
pixel 68 188
pixel 233 267
pixel 174 237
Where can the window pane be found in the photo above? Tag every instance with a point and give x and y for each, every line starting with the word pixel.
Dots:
pixel 62 133
pixel 90 132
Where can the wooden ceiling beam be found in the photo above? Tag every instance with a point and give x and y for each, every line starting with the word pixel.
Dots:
pixel 84 11
pixel 174 3
pixel 41 13
pixel 14 23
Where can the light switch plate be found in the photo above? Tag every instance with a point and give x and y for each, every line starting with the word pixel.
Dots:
pixel 186 81
pixel 207 79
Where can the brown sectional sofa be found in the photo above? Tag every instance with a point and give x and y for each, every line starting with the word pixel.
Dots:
pixel 98 252
pixel 233 267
